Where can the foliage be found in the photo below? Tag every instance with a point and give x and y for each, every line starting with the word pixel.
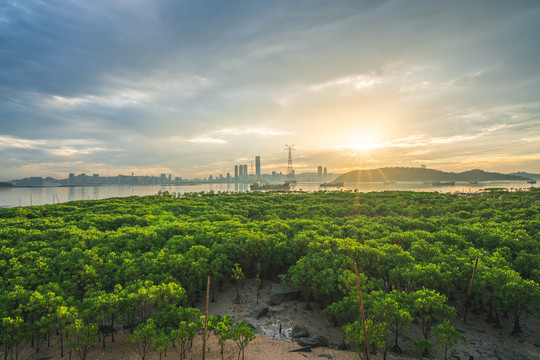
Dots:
pixel 11 335
pixel 82 337
pixel 447 336
pixel 222 329
pixel 79 268
pixel 242 334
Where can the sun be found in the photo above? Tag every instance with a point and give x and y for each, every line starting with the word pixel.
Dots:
pixel 364 145
pixel 363 142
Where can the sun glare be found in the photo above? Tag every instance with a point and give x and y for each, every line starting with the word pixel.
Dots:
pixel 364 146
pixel 362 143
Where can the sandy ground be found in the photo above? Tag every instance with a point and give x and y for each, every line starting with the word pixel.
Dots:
pixel 482 338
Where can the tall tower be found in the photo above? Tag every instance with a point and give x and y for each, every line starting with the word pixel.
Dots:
pixel 258 167
pixel 319 172
pixel 290 173
pixel 245 173
pixel 235 173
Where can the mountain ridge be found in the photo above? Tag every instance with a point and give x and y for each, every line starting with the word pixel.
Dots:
pixel 420 174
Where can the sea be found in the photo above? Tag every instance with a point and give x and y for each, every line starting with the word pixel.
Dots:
pixel 30 196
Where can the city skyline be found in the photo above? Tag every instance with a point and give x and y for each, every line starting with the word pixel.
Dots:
pixel 190 88
pixel 240 173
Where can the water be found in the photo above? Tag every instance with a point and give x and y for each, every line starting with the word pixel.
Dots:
pixel 16 196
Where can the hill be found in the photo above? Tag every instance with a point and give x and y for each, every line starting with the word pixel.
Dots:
pixel 419 174
pixel 527 175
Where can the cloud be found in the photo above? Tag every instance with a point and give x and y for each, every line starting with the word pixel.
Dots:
pixel 357 82
pixel 248 76
pixel 12 142
pixel 216 137
pixel 207 140
pixel 70 151
pixel 251 131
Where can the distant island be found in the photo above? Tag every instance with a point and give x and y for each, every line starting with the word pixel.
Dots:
pixel 527 175
pixel 421 174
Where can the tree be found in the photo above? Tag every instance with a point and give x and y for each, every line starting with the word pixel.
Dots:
pixel 242 334
pixel 41 307
pixel 82 337
pixel 377 333
pixel 447 336
pixel 161 342
pixel 237 275
pixel 64 316
pixel 429 308
pixel 11 335
pixel 142 337
pixel 184 334
pixel 518 295
pixel 393 309
pixel 219 268
pixel 222 329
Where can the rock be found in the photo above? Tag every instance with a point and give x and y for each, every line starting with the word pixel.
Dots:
pixel 307 341
pixel 322 340
pixel 503 353
pixel 313 341
pixel 302 349
pixel 283 292
pixel 328 356
pixel 260 311
pixel 300 332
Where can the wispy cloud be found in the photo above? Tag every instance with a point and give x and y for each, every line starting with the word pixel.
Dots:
pixel 65 147
pixel 70 151
pixel 357 82
pixel 418 140
pixel 251 131
pixel 218 136
pixel 12 142
pixel 206 140
pixel 122 99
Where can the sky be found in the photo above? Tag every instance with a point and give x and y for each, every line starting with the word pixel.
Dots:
pixel 192 88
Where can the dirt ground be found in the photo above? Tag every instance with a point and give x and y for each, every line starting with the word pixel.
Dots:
pixel 482 338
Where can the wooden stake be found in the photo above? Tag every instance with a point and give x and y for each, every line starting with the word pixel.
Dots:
pixel 469 293
pixel 206 318
pixel 366 343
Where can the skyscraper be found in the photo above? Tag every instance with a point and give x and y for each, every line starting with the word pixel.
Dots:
pixel 325 174
pixel 319 172
pixel 245 173
pixel 235 173
pixel 258 167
